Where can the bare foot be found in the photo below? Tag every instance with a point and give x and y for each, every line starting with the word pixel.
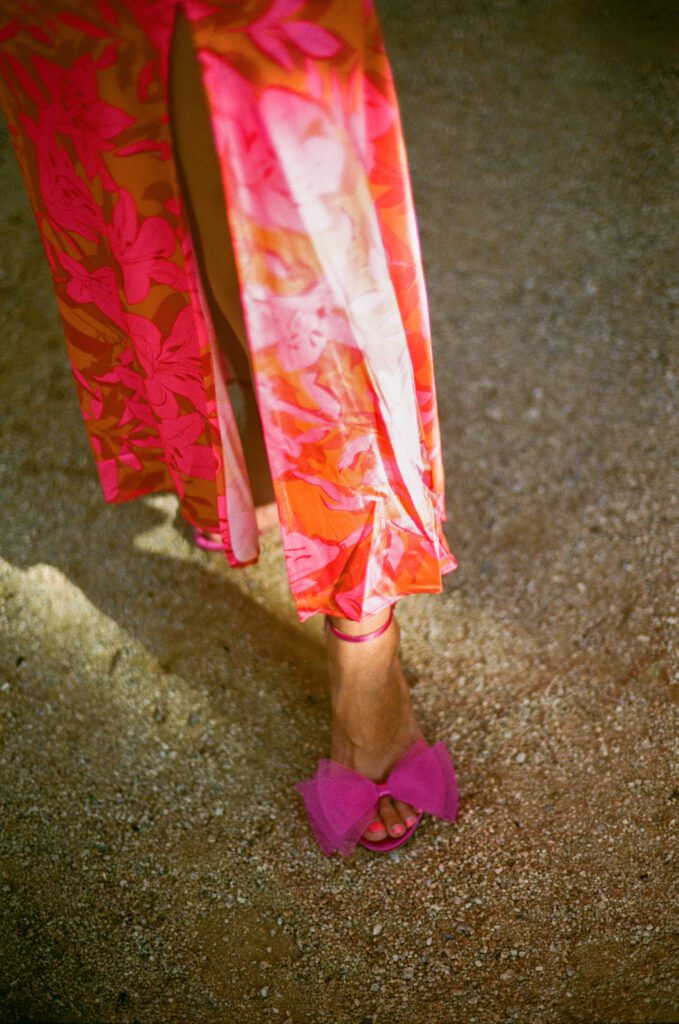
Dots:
pixel 373 721
pixel 267 517
pixel 267 520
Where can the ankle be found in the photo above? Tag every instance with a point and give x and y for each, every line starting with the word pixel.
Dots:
pixel 351 631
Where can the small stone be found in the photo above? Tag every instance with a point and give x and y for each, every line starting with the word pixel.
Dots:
pixel 520 757
pixel 377 929
pixel 408 973
pixel 264 991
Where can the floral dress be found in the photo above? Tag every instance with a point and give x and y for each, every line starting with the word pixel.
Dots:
pixel 309 141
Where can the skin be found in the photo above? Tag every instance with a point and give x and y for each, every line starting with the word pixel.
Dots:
pixel 373 722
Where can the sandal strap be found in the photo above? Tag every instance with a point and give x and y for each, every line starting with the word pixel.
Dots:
pixel 363 637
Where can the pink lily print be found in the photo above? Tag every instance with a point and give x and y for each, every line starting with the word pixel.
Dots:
pixel 78 111
pixel 171 365
pixel 143 252
pixel 277 31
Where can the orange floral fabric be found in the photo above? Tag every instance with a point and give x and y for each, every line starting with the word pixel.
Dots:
pixel 307 130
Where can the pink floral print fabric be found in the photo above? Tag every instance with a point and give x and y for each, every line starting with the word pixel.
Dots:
pixel 307 130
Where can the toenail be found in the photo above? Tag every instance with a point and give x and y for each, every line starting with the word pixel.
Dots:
pixel 397 830
pixel 411 820
pixel 375 826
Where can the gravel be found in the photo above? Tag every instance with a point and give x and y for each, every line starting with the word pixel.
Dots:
pixel 157 707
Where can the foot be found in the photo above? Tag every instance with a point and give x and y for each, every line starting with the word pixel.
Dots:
pixel 267 520
pixel 373 721
pixel 267 517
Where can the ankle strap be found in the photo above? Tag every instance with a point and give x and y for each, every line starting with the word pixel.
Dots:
pixel 363 637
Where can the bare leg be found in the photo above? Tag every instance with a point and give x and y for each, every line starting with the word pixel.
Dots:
pixel 373 720
pixel 200 179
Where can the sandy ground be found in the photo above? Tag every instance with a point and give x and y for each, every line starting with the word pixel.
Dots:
pixel 157 707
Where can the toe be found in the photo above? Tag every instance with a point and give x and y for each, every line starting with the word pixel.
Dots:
pixel 392 819
pixel 375 831
pixel 406 813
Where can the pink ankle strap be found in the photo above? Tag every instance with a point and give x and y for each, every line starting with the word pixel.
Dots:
pixel 365 636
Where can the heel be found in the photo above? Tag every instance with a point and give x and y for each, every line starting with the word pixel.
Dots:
pixel 363 637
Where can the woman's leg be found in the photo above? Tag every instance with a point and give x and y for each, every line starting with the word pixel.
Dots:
pixel 200 179
pixel 373 721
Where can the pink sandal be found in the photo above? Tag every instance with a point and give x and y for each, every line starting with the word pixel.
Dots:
pixel 340 802
pixel 206 542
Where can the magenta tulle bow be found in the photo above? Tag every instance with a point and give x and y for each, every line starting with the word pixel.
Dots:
pixel 341 802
